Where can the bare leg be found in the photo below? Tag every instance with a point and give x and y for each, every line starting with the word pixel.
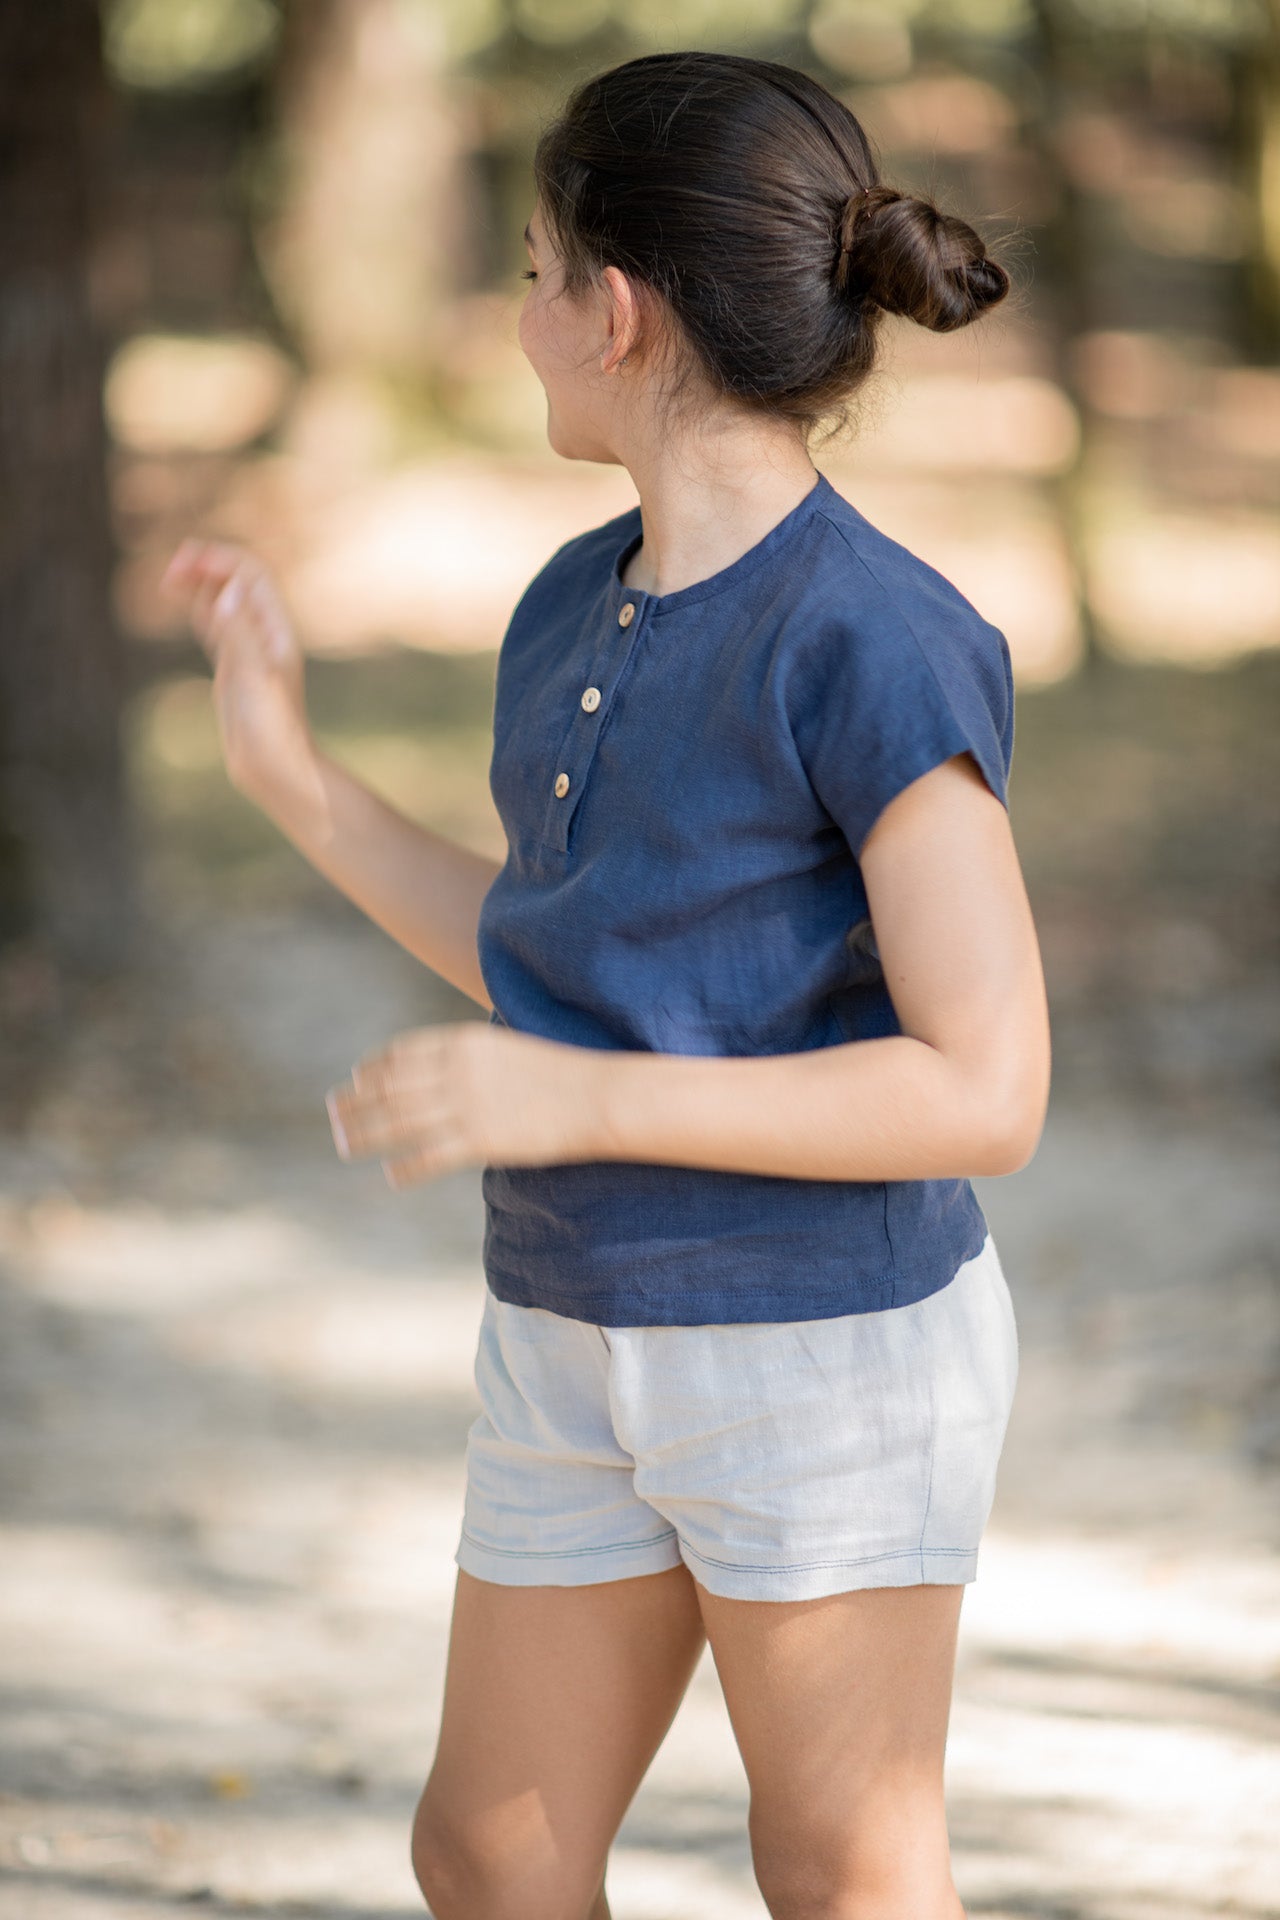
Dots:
pixel 555 1701
pixel 600 1911
pixel 840 1708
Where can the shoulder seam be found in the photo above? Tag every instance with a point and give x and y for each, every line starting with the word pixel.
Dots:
pixel 892 598
pixel 889 595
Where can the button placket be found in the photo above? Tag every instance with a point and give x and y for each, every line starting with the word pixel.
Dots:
pixel 577 749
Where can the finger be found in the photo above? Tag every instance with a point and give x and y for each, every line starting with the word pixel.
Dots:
pixel 337 1123
pixel 258 592
pixel 203 562
pixel 179 565
pixel 203 595
pixel 261 597
pixel 384 1085
pixel 424 1163
pixel 207 566
pixel 383 1133
pixel 408 1046
pixel 371 1075
pixel 376 1075
pixel 374 1126
pixel 271 615
pixel 229 599
pixel 360 1096
pixel 220 557
pixel 408 1065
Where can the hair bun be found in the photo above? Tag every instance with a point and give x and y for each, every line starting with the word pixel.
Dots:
pixel 899 251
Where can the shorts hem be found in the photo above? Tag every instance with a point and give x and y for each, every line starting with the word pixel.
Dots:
pixel 818 1579
pixel 729 1580
pixel 575 1567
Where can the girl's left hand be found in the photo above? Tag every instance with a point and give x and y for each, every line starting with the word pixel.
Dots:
pixel 468 1094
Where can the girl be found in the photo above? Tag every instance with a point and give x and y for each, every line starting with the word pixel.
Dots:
pixel 764 992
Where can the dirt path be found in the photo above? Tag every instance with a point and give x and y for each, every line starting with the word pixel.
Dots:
pixel 236 1388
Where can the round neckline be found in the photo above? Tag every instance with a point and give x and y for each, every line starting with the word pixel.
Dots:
pixel 737 570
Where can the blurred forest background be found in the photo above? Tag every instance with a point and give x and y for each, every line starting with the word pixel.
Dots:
pixel 260 281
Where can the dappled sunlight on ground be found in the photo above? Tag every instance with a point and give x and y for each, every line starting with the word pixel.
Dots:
pixel 236 1374
pixel 237 1384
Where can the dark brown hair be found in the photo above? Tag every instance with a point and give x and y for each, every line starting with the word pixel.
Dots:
pixel 747 198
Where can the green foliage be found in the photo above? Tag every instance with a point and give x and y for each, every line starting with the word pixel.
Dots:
pixel 561 22
pixel 990 19
pixel 694 23
pixel 1224 22
pixel 463 27
pixel 176 44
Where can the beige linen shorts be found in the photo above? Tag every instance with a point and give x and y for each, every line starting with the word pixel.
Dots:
pixel 779 1460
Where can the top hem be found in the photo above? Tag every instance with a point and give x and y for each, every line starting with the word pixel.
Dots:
pixel 602 1309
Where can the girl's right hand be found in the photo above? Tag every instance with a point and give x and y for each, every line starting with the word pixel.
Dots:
pixel 240 620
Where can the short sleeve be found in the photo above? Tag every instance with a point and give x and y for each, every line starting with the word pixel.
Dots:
pixel 881 697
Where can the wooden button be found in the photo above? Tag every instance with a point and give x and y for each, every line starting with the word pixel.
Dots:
pixel 626 614
pixel 562 785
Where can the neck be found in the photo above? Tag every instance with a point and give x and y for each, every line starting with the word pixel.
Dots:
pixel 706 500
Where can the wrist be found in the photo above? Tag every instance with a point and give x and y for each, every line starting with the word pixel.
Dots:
pixel 610 1103
pixel 285 785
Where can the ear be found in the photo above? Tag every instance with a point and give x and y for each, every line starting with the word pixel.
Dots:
pixel 622 318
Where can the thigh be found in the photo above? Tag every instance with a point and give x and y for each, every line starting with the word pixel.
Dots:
pixel 556 1699
pixel 840 1708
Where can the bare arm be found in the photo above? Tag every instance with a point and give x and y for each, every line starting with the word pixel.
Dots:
pixel 424 890
pixel 421 888
pixel 415 884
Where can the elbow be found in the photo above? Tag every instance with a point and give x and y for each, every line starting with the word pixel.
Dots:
pixel 1009 1094
pixel 1012 1136
pixel 1010 1156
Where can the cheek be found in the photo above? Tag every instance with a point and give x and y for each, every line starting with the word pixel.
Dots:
pixel 524 326
pixel 537 337
pixel 545 331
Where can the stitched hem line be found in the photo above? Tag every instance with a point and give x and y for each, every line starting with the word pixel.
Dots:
pixel 884 1279
pixel 764 1306
pixel 813 1566
pixel 567 1553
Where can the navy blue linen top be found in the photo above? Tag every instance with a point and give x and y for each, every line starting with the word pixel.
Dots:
pixel 686 780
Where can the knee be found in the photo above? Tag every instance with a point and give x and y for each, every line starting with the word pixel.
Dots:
pixel 440 1870
pixel 466 1874
pixel 794 1887
pixel 458 1876
pixel 808 1875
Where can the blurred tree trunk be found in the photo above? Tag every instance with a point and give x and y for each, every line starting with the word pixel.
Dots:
pixel 66 872
pixel 376 230
pixel 1065 300
pixel 1255 76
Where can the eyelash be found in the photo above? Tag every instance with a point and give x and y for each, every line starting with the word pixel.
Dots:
pixel 528 274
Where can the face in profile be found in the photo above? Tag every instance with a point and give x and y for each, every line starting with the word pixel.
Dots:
pixel 564 337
